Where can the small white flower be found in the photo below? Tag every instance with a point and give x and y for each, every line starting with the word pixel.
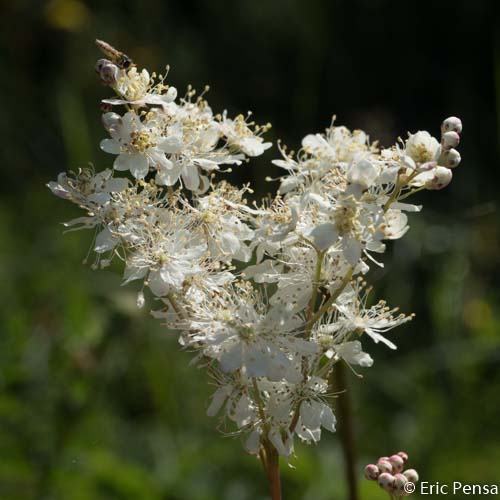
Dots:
pixel 421 147
pixel 239 135
pixel 363 173
pixel 139 146
pixel 137 88
pixel 353 354
pixel 373 321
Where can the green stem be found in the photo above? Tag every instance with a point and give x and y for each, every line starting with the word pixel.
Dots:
pixel 314 295
pixel 295 418
pixel 307 332
pixel 324 308
pixel 175 306
pixel 397 190
pixel 312 320
pixel 260 406
pixel 409 193
pixel 394 195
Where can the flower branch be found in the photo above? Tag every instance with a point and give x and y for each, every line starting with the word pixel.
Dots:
pixel 270 334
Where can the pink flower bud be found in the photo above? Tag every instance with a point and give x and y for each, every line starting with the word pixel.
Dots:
pixel 371 472
pixel 450 158
pixel 107 71
pixel 450 140
pixel 100 64
pixel 384 465
pixel 452 123
pixel 429 165
pixel 411 475
pixel 397 463
pixel 403 455
pixel 441 178
pixel 386 481
pixel 399 484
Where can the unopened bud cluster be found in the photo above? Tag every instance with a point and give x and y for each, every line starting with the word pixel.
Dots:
pixel 432 161
pixel 269 295
pixel 391 476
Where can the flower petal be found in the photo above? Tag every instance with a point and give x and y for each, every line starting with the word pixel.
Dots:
pixel 110 146
pixel 218 399
pixel 105 241
pixel 232 359
pixel 324 236
pixel 171 144
pixel 137 164
pixel 191 177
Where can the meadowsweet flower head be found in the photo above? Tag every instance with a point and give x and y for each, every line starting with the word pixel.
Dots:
pixel 268 296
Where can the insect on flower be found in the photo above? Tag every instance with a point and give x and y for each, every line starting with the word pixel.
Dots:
pixel 119 58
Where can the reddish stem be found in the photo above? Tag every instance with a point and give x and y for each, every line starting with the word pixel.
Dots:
pixel 271 463
pixel 346 429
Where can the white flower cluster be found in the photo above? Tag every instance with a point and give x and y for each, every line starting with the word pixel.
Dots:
pixel 177 140
pixel 389 474
pixel 269 296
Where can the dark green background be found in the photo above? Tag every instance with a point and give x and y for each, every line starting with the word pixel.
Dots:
pixel 96 399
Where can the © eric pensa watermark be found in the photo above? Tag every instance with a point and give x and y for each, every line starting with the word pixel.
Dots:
pixel 457 487
pixel 392 476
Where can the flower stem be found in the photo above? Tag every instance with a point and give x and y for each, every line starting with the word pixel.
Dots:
pixel 324 308
pixel 409 193
pixel 313 318
pixel 399 186
pixel 394 195
pixel 260 406
pixel 320 255
pixel 175 306
pixel 346 429
pixel 317 277
pixel 272 467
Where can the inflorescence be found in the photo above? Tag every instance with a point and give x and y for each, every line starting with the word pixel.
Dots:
pixel 269 296
pixel 390 476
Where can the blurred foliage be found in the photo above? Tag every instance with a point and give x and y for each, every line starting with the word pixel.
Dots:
pixel 97 402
